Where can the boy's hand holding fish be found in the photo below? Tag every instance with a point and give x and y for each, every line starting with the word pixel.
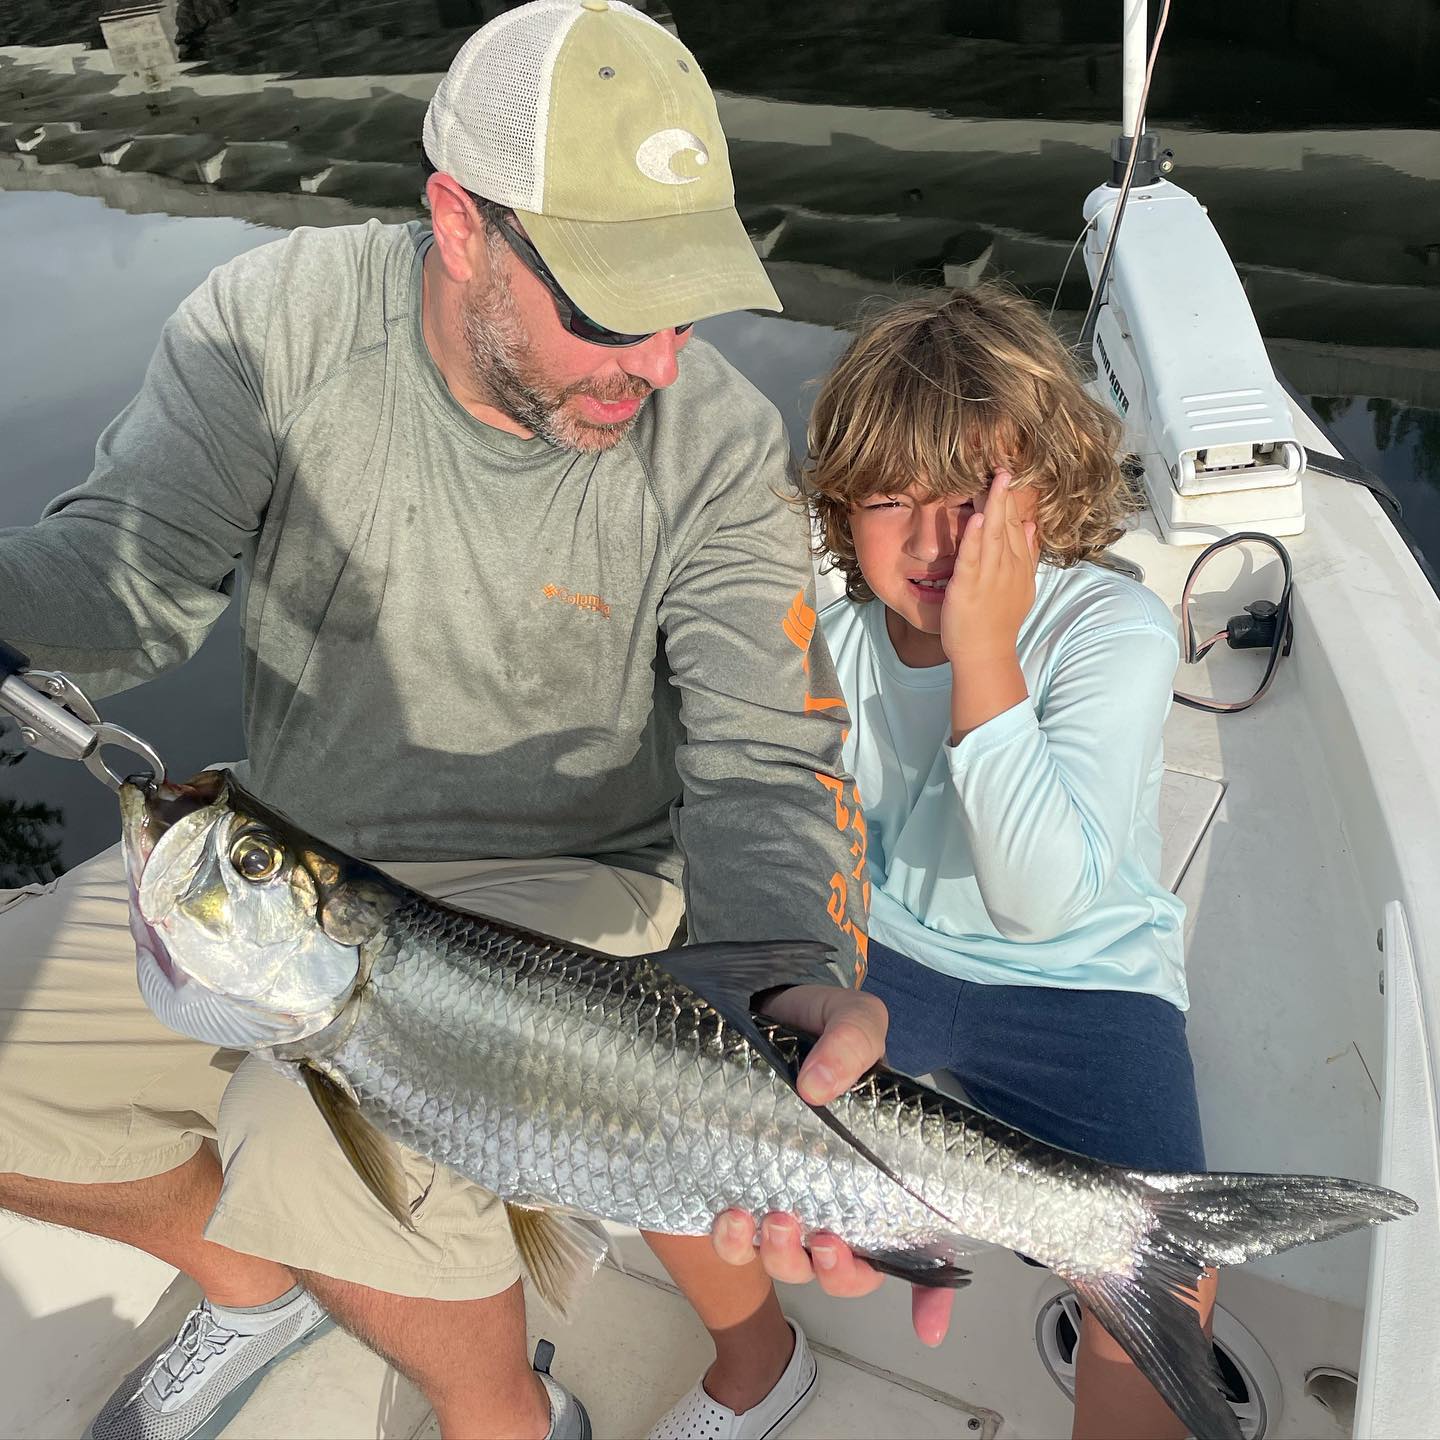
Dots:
pixel 852 1030
pixel 986 601
pixel 829 1260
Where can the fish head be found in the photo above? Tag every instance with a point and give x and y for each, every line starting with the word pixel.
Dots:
pixel 248 932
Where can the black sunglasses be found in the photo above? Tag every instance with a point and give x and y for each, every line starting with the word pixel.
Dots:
pixel 571 316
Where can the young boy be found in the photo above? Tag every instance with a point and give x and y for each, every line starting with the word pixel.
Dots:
pixel 1008 696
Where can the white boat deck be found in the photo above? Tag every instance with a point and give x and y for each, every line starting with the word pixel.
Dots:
pixel 1288 830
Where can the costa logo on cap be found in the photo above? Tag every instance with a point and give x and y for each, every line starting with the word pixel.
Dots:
pixel 658 152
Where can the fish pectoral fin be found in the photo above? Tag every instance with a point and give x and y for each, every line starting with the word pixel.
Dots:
pixel 374 1157
pixel 561 1251
pixel 931 1266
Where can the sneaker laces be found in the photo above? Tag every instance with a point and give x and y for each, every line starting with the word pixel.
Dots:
pixel 200 1339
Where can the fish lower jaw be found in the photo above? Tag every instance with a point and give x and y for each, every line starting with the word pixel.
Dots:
pixel 189 1007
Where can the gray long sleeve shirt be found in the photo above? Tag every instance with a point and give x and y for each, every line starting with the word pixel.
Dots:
pixel 459 643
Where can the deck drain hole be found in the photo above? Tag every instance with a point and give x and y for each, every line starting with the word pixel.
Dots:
pixel 1336 1390
pixel 1255 1401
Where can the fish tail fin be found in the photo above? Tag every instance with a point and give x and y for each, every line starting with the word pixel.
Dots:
pixel 1162 1335
pixel 1228 1219
pixel 1206 1220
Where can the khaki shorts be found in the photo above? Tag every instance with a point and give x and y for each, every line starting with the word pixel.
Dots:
pixel 94 1089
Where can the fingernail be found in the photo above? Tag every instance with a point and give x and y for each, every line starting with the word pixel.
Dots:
pixel 769 1230
pixel 821 1078
pixel 732 1228
pixel 824 1258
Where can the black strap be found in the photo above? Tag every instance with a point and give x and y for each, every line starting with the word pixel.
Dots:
pixel 1343 468
pixel 12 662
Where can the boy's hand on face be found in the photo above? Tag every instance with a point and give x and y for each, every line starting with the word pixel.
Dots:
pixel 989 595
pixel 992 586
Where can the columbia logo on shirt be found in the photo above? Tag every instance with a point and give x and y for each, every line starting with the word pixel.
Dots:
pixel 593 603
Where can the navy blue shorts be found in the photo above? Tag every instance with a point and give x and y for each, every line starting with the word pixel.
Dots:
pixel 1105 1073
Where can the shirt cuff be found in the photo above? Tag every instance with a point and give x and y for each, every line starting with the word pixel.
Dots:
pixel 1006 728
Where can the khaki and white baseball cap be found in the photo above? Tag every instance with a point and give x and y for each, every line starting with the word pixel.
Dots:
pixel 595 125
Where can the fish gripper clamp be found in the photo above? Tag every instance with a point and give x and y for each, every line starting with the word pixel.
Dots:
pixel 53 715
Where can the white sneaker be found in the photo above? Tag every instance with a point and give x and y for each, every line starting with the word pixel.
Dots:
pixel 195 1384
pixel 698 1417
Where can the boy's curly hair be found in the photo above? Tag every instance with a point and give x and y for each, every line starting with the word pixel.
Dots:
pixel 942 391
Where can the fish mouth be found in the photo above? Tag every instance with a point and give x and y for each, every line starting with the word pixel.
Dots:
pixel 147 811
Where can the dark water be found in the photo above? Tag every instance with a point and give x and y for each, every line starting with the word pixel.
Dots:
pixel 880 145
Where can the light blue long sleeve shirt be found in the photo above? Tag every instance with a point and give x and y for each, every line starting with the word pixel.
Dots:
pixel 1028 853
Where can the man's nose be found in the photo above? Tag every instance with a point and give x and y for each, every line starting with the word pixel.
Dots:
pixel 654 359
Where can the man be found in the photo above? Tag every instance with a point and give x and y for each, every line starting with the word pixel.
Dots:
pixel 521 585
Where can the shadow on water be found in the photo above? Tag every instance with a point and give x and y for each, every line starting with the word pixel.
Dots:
pixel 1261 66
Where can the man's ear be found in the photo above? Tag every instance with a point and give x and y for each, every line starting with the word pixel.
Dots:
pixel 458 227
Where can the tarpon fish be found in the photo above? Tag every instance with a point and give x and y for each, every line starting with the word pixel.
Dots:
pixel 647 1091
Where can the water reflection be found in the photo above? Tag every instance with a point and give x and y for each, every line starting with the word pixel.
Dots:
pixel 1401 444
pixel 1324 62
pixel 29 839
pixel 87 290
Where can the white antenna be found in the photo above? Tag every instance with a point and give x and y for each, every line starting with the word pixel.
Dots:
pixel 1133 58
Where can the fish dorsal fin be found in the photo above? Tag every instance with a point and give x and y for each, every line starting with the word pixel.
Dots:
pixel 561 1251
pixel 372 1155
pixel 732 975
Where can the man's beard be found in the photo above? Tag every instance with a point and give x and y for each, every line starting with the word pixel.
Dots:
pixel 501 365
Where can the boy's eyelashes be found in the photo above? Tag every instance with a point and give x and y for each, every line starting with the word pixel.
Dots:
pixel 894 503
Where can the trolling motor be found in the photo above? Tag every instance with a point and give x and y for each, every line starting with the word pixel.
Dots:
pixel 1175 343
pixel 53 715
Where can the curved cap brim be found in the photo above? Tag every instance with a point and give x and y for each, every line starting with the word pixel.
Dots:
pixel 639 276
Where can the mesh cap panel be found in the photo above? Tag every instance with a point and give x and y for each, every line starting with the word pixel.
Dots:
pixel 485 124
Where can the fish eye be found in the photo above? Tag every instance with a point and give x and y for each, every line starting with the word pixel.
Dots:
pixel 256 857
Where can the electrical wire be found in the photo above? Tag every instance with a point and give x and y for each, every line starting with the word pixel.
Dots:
pixel 1092 313
pixel 1279 644
pixel 1084 231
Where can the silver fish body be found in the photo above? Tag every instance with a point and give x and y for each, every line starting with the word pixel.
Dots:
pixel 545 1071
pixel 646 1091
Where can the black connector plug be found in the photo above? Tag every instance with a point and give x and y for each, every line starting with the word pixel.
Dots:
pixel 12 662
pixel 1255 629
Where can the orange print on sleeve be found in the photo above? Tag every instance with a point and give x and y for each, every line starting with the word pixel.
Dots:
pixel 799 627
pixel 849 817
